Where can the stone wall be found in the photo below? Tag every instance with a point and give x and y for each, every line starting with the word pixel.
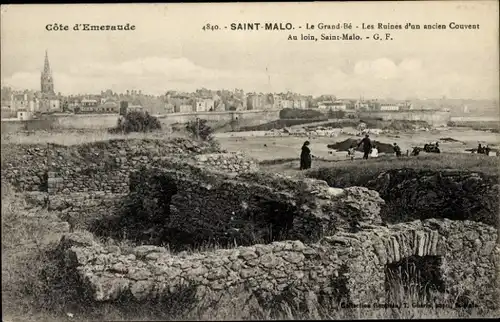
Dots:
pixel 347 267
pixel 433 117
pixel 227 162
pixel 314 241
pixel 253 117
pixel 104 166
pixel 421 194
pixel 247 208
pixel 25 166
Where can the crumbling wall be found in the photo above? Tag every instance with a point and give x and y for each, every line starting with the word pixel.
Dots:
pixel 79 210
pixel 227 162
pixel 25 166
pixel 105 166
pixel 348 267
pixel 246 209
pixel 421 194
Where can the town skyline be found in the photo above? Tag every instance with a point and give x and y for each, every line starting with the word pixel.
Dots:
pixel 455 65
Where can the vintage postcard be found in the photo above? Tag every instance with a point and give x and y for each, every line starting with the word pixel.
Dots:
pixel 222 161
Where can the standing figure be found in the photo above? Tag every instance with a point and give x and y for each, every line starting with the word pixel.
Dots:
pixel 367 146
pixel 351 152
pixel 374 153
pixel 397 150
pixel 305 157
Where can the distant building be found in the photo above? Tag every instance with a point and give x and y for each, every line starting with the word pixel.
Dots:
pixel 339 106
pixel 46 80
pixel 109 107
pixel 135 108
pixel 74 103
pixel 203 105
pixel 260 101
pixel 300 103
pixel 7 113
pixel 48 105
pixel 254 102
pixel 169 108
pixel 286 104
pixel 49 102
pixel 389 107
pixel 88 106
pixel 219 106
pixel 19 101
pixel 360 105
pixel 24 114
pixel 184 108
pixel 334 106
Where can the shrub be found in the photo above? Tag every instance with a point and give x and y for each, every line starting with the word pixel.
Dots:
pixel 278 124
pixel 137 122
pixel 199 129
pixel 336 114
pixel 295 113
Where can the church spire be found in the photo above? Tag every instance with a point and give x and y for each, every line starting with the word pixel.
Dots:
pixel 47 83
pixel 46 66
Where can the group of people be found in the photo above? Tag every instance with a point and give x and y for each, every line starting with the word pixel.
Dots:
pixel 483 149
pixel 369 150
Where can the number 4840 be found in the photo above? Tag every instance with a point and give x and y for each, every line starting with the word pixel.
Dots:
pixel 210 27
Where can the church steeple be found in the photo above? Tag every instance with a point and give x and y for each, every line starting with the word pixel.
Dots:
pixel 46 66
pixel 47 82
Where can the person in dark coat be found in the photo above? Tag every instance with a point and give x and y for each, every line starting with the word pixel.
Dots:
pixel 397 150
pixel 305 157
pixel 367 146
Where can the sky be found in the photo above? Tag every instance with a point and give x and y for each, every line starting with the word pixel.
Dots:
pixel 168 50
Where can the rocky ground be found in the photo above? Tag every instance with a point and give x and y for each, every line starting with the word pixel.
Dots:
pixel 123 267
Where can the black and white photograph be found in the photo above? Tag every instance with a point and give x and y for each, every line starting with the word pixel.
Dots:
pixel 330 160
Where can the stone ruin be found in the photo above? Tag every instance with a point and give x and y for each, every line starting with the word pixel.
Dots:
pixel 282 238
pixel 350 268
pixel 189 205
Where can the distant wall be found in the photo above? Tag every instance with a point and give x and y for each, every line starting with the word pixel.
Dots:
pixel 29 125
pixel 106 121
pixel 12 126
pixel 248 117
pixel 433 117
pixel 86 121
pixel 475 119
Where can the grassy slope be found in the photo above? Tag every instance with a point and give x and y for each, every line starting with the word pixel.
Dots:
pixel 29 295
pixel 358 172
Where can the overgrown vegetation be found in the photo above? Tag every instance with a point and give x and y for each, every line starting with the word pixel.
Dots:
pixel 336 114
pixel 491 126
pixel 397 125
pixel 347 173
pixel 276 125
pixel 199 129
pixel 35 288
pixel 296 113
pixel 137 121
